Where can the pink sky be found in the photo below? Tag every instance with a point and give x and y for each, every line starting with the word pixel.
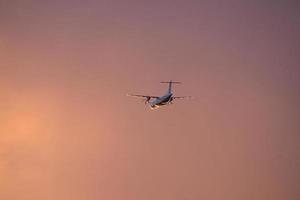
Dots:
pixel 68 131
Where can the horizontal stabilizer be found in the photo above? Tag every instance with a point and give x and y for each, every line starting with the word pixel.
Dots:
pixel 175 82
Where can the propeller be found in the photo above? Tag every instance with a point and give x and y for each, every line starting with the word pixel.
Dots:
pixel 146 100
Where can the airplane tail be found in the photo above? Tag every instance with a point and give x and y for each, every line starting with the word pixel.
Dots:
pixel 170 84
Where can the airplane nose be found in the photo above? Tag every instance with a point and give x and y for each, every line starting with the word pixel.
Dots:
pixel 153 107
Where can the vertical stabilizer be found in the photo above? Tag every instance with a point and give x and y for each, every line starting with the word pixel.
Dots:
pixel 170 85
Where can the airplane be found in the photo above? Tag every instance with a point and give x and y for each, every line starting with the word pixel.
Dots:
pixel 159 101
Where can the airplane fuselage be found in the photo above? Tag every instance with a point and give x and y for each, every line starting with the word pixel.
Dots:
pixel 161 101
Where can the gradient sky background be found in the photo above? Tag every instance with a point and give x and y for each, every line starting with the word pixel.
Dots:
pixel 68 132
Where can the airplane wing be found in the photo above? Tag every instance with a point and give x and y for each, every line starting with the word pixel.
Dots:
pixel 182 97
pixel 142 96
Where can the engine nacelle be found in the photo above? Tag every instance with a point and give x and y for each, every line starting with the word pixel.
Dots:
pixel 147 100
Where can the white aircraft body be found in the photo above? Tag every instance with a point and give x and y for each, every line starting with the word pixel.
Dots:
pixel 159 101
